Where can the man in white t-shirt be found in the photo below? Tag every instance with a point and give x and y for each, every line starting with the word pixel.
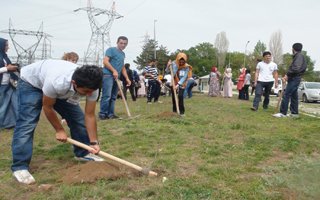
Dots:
pixel 266 74
pixel 56 86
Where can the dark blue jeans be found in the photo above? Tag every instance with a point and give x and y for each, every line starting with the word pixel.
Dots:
pixel 266 86
pixel 188 89
pixel 153 90
pixel 291 94
pixel 108 96
pixel 29 107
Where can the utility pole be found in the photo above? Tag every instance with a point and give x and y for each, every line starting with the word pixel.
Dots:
pixel 154 38
pixel 100 37
pixel 26 55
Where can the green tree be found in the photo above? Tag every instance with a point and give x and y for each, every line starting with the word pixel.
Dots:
pixel 235 59
pixel 259 49
pixel 201 57
pixel 162 55
pixel 162 58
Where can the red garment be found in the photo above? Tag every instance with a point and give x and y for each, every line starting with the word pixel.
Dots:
pixel 241 79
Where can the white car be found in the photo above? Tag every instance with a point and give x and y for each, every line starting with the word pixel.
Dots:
pixel 309 91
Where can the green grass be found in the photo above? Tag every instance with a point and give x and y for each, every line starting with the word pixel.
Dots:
pixel 220 150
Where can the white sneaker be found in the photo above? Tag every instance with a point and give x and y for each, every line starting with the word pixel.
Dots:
pixel 293 115
pixel 23 176
pixel 279 115
pixel 90 157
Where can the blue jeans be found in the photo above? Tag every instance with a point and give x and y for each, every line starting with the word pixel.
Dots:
pixel 188 89
pixel 259 91
pixel 291 94
pixel 30 105
pixel 108 97
pixel 8 106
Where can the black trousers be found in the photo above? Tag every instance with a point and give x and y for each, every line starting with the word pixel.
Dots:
pixel 153 90
pixel 246 92
pixel 132 92
pixel 180 101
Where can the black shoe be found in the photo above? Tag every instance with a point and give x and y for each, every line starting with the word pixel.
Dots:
pixel 114 117
pixel 103 118
pixel 265 107
pixel 253 109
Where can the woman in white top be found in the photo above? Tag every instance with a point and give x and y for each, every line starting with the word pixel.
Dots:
pixel 142 89
pixel 227 83
pixel 8 80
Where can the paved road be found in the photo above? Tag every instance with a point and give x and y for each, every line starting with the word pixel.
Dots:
pixel 310 108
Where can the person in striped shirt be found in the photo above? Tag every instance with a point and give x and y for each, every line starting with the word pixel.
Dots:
pixel 151 73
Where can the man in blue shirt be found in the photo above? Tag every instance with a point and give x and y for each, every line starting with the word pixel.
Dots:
pixel 113 65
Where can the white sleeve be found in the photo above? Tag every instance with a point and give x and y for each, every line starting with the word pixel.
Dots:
pixel 94 96
pixel 49 90
pixel 258 66
pixel 3 70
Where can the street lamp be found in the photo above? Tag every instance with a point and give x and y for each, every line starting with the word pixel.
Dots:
pixel 245 53
pixel 154 38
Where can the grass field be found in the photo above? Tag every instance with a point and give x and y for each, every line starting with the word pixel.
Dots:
pixel 219 150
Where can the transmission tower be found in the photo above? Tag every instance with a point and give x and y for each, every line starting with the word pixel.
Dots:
pixel 26 55
pixel 100 37
pixel 46 48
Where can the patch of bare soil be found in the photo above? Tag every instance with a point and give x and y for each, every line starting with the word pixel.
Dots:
pixel 277 157
pixel 288 194
pixel 92 171
pixel 167 114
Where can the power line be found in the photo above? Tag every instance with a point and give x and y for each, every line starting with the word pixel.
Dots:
pixel 135 8
pixel 43 18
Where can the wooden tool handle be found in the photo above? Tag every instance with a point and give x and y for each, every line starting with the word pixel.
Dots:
pixel 123 98
pixel 284 85
pixel 174 92
pixel 111 157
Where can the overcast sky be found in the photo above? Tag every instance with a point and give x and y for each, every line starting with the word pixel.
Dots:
pixel 180 24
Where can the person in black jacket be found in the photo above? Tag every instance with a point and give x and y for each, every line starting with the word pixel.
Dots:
pixel 293 76
pixel 131 87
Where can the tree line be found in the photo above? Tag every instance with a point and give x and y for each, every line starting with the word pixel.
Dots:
pixel 205 55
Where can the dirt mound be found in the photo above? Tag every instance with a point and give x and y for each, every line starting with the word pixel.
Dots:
pixel 167 114
pixel 91 171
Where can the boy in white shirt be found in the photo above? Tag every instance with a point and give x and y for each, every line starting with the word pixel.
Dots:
pixel 266 74
pixel 55 86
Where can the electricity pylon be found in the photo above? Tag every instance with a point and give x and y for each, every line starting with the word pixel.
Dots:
pixel 26 55
pixel 100 37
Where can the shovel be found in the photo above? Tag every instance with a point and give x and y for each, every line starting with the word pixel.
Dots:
pixel 113 158
pixel 284 85
pixel 174 92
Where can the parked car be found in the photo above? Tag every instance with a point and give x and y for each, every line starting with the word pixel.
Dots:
pixel 309 91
